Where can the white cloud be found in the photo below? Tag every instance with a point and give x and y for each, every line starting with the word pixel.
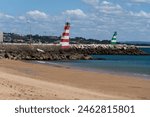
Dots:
pixel 106 3
pixel 110 8
pixel 141 1
pixel 91 2
pixel 6 16
pixel 104 6
pixel 141 14
pixel 77 13
pixel 22 17
pixel 37 14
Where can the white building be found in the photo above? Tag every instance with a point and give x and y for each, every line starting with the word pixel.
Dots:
pixel 1 37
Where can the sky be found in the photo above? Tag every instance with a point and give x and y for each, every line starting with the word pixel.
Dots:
pixel 96 19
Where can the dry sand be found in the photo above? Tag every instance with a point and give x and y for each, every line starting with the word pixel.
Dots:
pixel 21 80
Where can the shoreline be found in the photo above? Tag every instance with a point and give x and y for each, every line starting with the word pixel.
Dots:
pixel 128 74
pixel 21 80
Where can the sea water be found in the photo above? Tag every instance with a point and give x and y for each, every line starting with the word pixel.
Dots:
pixel 117 64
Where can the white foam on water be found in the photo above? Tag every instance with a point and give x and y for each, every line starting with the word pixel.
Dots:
pixel 41 62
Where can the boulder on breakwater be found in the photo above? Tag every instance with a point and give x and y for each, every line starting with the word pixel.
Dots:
pixel 54 52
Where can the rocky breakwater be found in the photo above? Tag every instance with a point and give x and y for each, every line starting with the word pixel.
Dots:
pixel 39 52
pixel 53 52
pixel 107 49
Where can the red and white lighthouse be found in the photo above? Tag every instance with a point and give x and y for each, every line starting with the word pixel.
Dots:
pixel 65 37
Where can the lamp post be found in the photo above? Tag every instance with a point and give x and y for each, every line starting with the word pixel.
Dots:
pixel 30 31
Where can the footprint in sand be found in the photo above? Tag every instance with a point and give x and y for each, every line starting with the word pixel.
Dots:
pixel 11 86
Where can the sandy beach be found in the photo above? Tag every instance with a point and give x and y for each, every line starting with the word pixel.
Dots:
pixel 26 81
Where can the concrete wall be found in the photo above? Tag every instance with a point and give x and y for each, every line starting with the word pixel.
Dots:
pixel 1 37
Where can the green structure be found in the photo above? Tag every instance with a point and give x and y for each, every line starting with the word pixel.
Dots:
pixel 114 38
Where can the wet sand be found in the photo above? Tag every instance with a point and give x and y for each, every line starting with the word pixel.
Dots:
pixel 26 81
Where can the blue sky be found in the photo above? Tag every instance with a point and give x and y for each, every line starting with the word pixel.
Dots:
pixel 89 18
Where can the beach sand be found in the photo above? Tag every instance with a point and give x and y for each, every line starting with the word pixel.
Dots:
pixel 26 81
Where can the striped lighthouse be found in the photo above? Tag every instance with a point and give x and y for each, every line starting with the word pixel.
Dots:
pixel 65 37
pixel 114 38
